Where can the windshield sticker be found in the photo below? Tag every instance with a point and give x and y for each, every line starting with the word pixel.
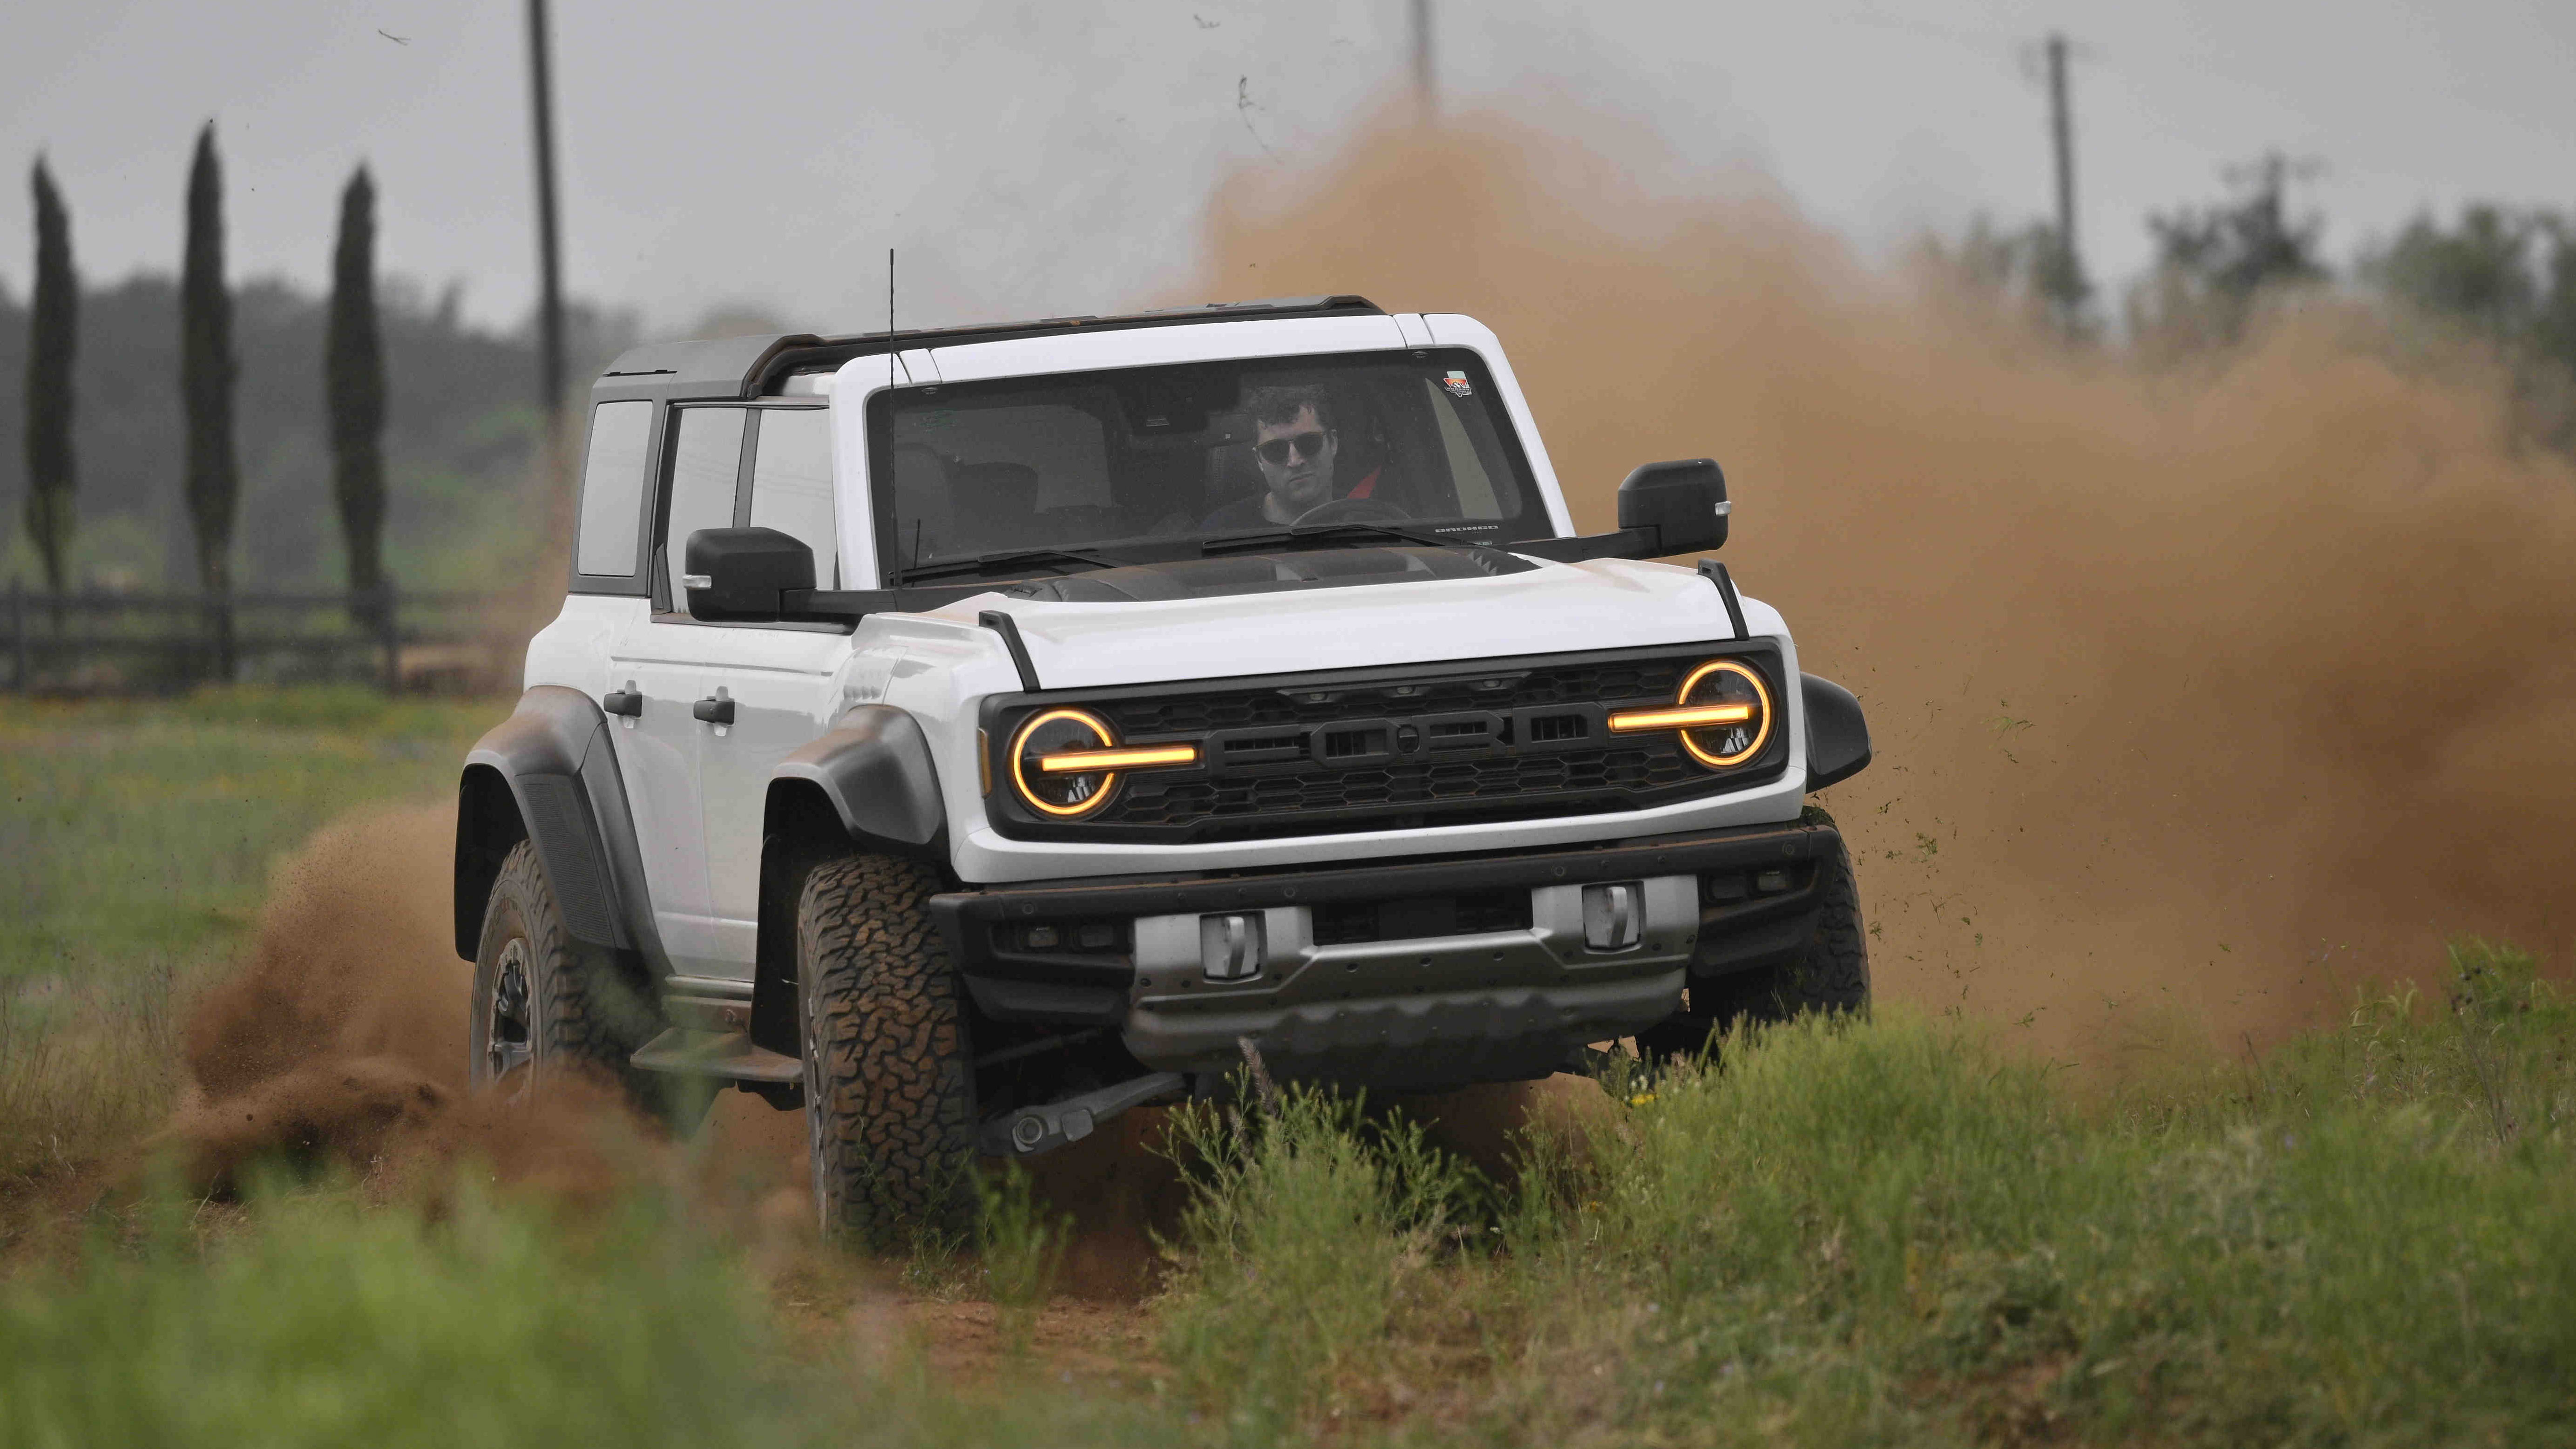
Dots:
pixel 1458 385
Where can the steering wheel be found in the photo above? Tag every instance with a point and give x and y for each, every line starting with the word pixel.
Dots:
pixel 1352 510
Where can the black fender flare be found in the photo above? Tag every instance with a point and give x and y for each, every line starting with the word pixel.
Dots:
pixel 873 768
pixel 1837 732
pixel 867 784
pixel 549 774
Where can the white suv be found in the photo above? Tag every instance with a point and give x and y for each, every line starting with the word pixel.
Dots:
pixel 965 735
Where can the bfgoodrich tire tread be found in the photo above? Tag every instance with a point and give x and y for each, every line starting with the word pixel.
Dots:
pixel 583 1015
pixel 889 1079
pixel 1829 977
pixel 1832 976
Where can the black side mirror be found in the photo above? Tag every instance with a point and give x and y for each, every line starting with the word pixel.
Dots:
pixel 736 575
pixel 1683 504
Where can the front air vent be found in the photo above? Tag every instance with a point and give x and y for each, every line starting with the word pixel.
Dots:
pixel 1352 744
pixel 1548 729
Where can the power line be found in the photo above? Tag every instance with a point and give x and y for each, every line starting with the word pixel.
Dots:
pixel 2066 276
pixel 1426 96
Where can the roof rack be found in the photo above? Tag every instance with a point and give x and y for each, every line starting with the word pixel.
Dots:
pixel 749 366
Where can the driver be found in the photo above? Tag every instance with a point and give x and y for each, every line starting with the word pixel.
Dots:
pixel 1298 448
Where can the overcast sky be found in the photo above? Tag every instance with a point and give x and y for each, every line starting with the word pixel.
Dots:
pixel 1050 156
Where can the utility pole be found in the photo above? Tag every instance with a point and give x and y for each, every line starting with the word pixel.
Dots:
pixel 2065 278
pixel 550 328
pixel 1426 96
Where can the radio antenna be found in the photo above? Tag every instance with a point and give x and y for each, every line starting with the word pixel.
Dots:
pixel 889 319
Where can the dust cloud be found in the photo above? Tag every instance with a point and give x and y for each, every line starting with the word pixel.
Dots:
pixel 2198 696
pixel 341 1038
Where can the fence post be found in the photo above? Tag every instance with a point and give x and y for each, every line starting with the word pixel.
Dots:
pixel 225 663
pixel 389 631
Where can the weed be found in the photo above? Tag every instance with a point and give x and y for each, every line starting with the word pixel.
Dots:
pixel 1306 1229
pixel 1021 1245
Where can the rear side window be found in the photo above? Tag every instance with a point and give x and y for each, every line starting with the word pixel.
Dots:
pixel 706 462
pixel 612 490
pixel 791 484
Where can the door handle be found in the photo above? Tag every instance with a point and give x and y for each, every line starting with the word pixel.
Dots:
pixel 628 702
pixel 713 710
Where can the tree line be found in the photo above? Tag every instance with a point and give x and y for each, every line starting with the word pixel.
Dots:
pixel 2499 276
pixel 364 431
pixel 353 386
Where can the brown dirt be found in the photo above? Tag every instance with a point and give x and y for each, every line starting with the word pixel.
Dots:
pixel 340 1039
pixel 2196 695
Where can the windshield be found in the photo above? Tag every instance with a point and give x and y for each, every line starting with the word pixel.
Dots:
pixel 1053 474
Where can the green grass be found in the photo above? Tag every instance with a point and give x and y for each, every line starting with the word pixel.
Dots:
pixel 140 833
pixel 1893 1232
pixel 1900 1233
pixel 136 840
pixel 325 1322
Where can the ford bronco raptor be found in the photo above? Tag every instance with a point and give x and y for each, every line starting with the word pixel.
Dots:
pixel 963 736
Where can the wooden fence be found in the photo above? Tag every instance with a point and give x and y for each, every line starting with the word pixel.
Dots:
pixel 104 642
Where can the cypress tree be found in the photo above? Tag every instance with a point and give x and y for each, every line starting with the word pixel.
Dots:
pixel 353 387
pixel 206 374
pixel 53 335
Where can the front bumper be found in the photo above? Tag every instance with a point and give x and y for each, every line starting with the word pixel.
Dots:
pixel 1424 973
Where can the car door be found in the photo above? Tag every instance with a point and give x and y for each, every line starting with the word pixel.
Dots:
pixel 669 662
pixel 782 680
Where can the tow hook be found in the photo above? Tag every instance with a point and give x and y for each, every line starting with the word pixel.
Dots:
pixel 1032 1130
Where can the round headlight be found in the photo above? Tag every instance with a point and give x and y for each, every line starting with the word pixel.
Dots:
pixel 1059 792
pixel 1735 692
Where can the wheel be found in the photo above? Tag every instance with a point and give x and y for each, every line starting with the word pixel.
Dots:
pixel 1829 977
pixel 889 1075
pixel 543 1002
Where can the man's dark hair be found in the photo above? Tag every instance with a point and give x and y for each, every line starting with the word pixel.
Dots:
pixel 1279 405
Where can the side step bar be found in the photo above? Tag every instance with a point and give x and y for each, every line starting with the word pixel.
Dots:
pixel 725 1055
pixel 1032 1130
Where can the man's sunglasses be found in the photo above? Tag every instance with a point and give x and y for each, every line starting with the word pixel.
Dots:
pixel 1307 445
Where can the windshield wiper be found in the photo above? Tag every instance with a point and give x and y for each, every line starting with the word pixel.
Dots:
pixel 1327 533
pixel 1004 558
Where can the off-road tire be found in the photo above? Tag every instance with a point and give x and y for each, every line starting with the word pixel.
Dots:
pixel 575 1011
pixel 889 1073
pixel 1830 977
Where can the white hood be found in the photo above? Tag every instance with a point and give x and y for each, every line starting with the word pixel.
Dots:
pixel 1552 609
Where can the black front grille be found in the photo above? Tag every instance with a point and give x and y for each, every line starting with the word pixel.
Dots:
pixel 1393 748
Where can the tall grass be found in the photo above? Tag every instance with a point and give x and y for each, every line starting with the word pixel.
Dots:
pixel 140 833
pixel 1311 1223
pixel 1881 1232
pixel 1020 1248
pixel 136 838
pixel 1900 1232
pixel 326 1323
pixel 84 1067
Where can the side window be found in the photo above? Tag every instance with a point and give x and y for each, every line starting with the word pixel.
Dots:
pixel 612 490
pixel 706 463
pixel 791 484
